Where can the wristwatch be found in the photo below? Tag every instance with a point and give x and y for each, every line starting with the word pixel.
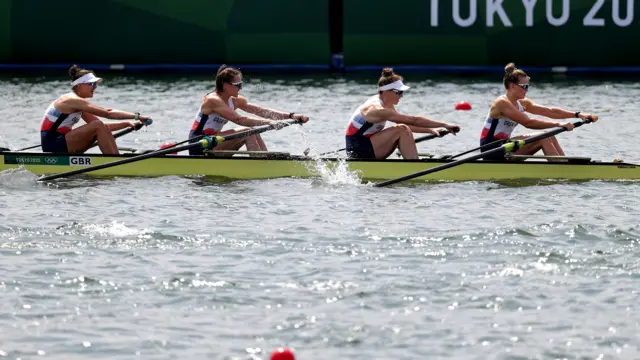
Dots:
pixel 577 114
pixel 291 115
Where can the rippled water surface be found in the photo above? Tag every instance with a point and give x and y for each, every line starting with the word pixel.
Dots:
pixel 192 268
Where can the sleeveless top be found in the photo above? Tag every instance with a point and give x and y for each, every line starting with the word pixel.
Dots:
pixel 358 126
pixel 209 124
pixel 499 128
pixel 55 120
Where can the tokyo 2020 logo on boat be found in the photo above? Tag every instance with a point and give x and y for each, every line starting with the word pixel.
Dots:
pixel 51 160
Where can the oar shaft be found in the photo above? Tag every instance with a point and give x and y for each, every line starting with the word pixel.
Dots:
pixel 29 148
pixel 204 143
pixel 485 146
pixel 431 136
pixel 508 147
pixel 255 130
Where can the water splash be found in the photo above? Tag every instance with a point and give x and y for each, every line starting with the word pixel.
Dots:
pixel 18 178
pixel 333 171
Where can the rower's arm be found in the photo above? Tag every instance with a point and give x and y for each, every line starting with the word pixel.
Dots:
pixel 422 130
pixel 550 112
pixel 87 117
pixel 507 109
pixel 417 121
pixel 264 112
pixel 85 106
pixel 226 112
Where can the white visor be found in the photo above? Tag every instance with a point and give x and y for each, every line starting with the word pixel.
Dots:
pixel 87 78
pixel 396 85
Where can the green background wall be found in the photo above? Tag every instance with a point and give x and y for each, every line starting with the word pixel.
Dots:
pixel 164 31
pixel 376 32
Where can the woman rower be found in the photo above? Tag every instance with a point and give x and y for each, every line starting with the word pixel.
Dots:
pixel 218 107
pixel 508 110
pixel 366 136
pixel 56 131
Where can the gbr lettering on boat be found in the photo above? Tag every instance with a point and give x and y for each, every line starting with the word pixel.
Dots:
pixel 621 12
pixel 80 160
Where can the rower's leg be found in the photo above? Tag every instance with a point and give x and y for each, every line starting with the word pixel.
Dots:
pixel 548 147
pixel 556 145
pixel 399 136
pixel 236 144
pixel 79 139
pixel 261 145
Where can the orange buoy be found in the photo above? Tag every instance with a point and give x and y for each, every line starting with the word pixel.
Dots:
pixel 282 354
pixel 168 144
pixel 463 105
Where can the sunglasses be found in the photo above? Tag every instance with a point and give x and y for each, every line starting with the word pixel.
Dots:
pixel 237 84
pixel 524 86
pixel 92 84
pixel 398 92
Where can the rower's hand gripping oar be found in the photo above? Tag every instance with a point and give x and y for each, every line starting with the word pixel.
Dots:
pixel 508 147
pixel 417 140
pixel 206 143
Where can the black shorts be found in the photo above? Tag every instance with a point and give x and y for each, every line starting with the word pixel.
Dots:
pixel 359 147
pixel 497 156
pixel 53 141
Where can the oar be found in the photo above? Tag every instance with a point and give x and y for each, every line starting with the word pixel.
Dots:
pixel 120 133
pixel 116 135
pixel 485 146
pixel 206 143
pixel 29 148
pixel 417 140
pixel 268 127
pixel 507 148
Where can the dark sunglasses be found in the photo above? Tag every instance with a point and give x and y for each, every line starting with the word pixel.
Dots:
pixel 237 84
pixel 93 83
pixel 398 92
pixel 524 86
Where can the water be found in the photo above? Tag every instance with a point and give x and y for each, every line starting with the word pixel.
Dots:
pixel 192 268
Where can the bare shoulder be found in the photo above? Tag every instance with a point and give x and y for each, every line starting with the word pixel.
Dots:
pixel 70 103
pixel 369 108
pixel 240 101
pixel 526 102
pixel 71 97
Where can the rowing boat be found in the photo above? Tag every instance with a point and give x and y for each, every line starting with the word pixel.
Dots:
pixel 279 165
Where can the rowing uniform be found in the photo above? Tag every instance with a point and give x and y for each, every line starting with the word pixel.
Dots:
pixel 209 125
pixel 359 132
pixel 55 125
pixel 497 129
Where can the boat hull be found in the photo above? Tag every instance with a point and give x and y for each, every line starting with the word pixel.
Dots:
pixel 303 167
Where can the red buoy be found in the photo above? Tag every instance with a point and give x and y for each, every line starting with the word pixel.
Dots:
pixel 166 145
pixel 282 354
pixel 463 105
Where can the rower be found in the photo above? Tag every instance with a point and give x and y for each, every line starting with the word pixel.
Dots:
pixel 219 107
pixel 508 110
pixel 57 134
pixel 366 136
